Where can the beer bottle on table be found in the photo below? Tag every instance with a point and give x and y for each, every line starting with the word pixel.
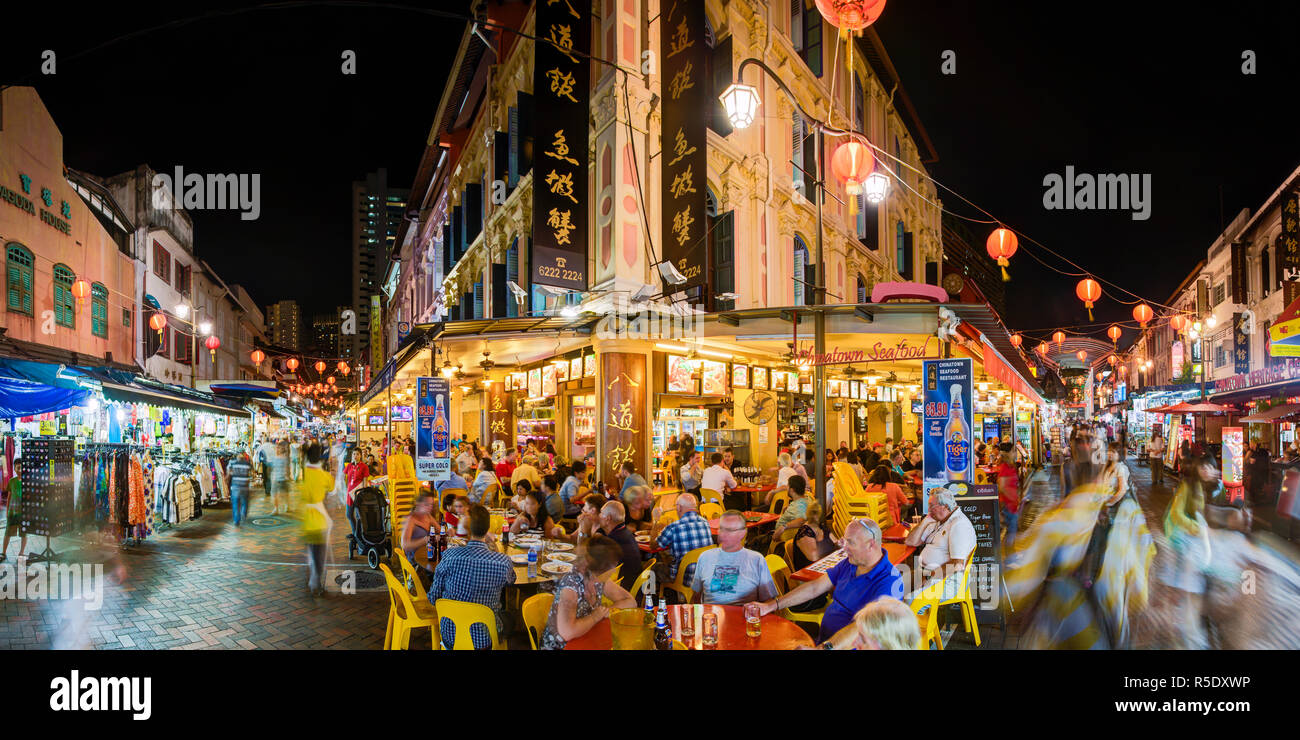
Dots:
pixel 663 632
pixel 649 618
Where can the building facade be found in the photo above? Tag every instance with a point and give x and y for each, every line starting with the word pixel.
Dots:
pixel 284 324
pixel 377 213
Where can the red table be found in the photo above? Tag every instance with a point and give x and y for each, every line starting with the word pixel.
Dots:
pixel 897 553
pixel 896 533
pixel 766 519
pixel 779 633
pixel 749 491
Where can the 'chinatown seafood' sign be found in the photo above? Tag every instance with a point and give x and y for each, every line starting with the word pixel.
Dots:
pixel 876 348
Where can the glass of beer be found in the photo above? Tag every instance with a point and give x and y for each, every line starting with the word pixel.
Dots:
pixel 753 621
pixel 686 622
pixel 709 628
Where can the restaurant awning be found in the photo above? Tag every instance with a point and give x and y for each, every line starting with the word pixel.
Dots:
pixel 181 398
pixel 1277 413
pixel 1198 408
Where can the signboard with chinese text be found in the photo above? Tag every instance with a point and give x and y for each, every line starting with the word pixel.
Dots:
pixel 1288 241
pixel 1240 345
pixel 622 427
pixel 500 417
pixel 683 137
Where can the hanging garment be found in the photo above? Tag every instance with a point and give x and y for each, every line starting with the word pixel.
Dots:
pixel 138 512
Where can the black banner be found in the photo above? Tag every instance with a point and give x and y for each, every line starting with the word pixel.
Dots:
pixel 1240 345
pixel 1239 279
pixel 561 100
pixel 1288 257
pixel 684 138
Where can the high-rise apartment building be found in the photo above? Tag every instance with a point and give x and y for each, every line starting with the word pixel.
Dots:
pixel 284 325
pixel 377 213
pixel 326 338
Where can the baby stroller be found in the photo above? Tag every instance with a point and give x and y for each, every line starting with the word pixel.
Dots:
pixel 371 526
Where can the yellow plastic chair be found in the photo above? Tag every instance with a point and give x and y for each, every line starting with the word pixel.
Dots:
pixel 405 615
pixel 780 500
pixel 679 645
pixel 786 536
pixel 536 610
pixel 668 516
pixel 680 584
pixel 464 614
pixel 963 597
pixel 711 511
pixel 411 575
pixel 643 577
pixel 708 494
pixel 780 571
pixel 928 622
pixel 490 494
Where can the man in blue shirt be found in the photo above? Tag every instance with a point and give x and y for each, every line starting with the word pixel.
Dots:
pixel 569 488
pixel 474 573
pixel 627 473
pixel 455 481
pixel 863 576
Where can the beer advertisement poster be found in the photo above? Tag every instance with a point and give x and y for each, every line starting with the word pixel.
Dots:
pixel 947 423
pixel 432 430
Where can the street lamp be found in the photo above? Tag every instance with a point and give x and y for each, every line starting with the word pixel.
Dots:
pixel 205 328
pixel 741 103
pixel 876 188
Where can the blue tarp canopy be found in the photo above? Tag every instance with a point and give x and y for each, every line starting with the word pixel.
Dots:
pixel 28 388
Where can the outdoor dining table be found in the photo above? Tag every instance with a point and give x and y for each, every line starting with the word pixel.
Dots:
pixel 897 553
pixel 765 518
pixel 521 571
pixel 750 490
pixel 778 633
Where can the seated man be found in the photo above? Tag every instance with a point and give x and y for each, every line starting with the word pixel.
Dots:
pixel 629 477
pixel 569 489
pixel 948 538
pixel 690 532
pixel 859 579
pixel 612 526
pixel 730 574
pixel 691 473
pixel 526 471
pixel 550 494
pixel 717 478
pixel 474 573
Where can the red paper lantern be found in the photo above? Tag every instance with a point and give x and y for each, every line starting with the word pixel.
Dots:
pixel 212 343
pixel 1178 322
pixel 1001 244
pixel 1114 332
pixel 1042 348
pixel 850 15
pixel 257 356
pixel 330 380
pixel 1089 291
pixel 1083 356
pixel 158 322
pixel 320 366
pixel 1143 313
pixel 81 289
pixel 1111 360
pixel 1016 339
pixel 343 368
pixel 291 363
pixel 851 163
pixel 1058 337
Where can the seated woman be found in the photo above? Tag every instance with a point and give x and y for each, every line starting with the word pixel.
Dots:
pixel 577 606
pixel 535 516
pixel 456 517
pixel 881 481
pixel 886 624
pixel 588 518
pixel 415 532
pixel 813 542
pixel 521 492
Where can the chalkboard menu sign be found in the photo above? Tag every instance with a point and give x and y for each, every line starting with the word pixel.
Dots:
pixel 986 570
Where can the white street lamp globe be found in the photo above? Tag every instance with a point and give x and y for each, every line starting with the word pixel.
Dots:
pixel 1211 321
pixel 205 327
pixel 182 310
pixel 741 104
pixel 876 187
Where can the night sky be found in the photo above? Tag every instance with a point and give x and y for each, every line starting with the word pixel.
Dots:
pixel 1156 89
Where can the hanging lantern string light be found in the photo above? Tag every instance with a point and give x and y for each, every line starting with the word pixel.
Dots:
pixel 1089 291
pixel 1001 245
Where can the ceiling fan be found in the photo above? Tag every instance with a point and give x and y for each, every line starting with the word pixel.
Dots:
pixel 487 363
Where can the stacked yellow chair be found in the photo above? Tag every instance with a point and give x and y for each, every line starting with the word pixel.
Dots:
pixel 402 487
pixel 853 502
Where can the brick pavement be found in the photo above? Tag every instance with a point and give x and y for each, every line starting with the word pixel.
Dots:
pixel 204 584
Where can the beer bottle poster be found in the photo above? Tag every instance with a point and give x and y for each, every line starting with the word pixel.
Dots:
pixel 432 430
pixel 948 421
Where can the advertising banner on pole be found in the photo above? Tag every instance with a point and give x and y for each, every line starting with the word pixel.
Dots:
pixel 947 419
pixel 1233 456
pixel 432 430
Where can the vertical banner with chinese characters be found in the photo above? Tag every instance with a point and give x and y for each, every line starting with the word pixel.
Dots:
pixel 501 423
pixel 623 433
pixel 1240 345
pixel 1239 276
pixel 683 140
pixel 377 356
pixel 561 99
pixel 1288 257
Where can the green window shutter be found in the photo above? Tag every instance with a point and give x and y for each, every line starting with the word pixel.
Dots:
pixel 27 289
pixel 14 283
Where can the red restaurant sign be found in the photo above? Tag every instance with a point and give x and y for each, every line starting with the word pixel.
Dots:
pixel 884 349
pixel 1289 370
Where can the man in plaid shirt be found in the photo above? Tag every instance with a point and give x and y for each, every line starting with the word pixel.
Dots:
pixel 472 573
pixel 690 532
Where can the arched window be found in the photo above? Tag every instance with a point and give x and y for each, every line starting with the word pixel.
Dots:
pixel 99 310
pixel 802 292
pixel 18 271
pixel 862 289
pixel 65 309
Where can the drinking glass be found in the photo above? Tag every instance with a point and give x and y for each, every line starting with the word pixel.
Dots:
pixel 686 621
pixel 753 621
pixel 709 626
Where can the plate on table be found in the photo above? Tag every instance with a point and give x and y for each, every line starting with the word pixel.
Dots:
pixel 556 568
pixel 563 557
pixel 753 517
pixel 561 546
pixel 519 558
pixel 457 542
pixel 643 538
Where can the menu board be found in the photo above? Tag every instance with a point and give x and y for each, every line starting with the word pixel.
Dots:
pixel 561 371
pixel 986 569
pixel 778 380
pixel 760 378
pixel 589 366
pixel 549 374
pixel 715 378
pixel 534 383
pixel 680 375
pixel 740 376
pixel 575 368
pixel 1233 456
pixel 807 389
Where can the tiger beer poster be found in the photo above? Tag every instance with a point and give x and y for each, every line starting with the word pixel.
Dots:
pixel 948 421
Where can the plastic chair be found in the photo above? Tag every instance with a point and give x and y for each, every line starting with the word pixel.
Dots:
pixel 464 614
pixel 928 622
pixel 641 579
pixel 711 511
pixel 405 615
pixel 679 584
pixel 412 576
pixel 963 597
pixel 708 494
pixel 668 516
pixel 490 494
pixel 536 610
pixel 786 536
pixel 780 571
pixel 679 645
pixel 780 500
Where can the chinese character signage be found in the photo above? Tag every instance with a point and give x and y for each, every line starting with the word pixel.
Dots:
pixel 432 429
pixel 1289 239
pixel 377 355
pixel 683 137
pixel 947 423
pixel 500 418
pixel 622 426
pixel 1240 345
pixel 561 96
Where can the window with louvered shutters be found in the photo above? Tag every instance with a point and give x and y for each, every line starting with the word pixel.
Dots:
pixel 800 268
pixel 99 310
pixel 18 278
pixel 65 308
pixel 512 274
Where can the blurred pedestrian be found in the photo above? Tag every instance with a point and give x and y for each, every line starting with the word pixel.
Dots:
pixel 1188 536
pixel 238 473
pixel 316 524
